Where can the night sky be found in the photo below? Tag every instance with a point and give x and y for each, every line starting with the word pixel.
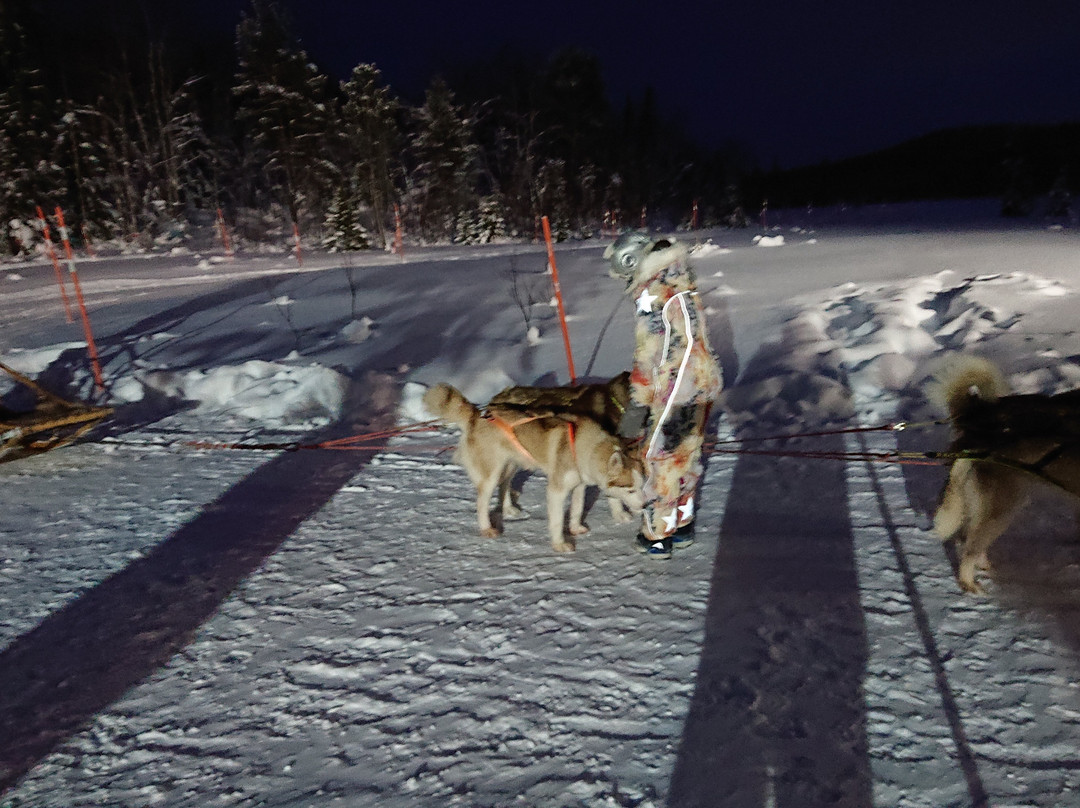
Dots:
pixel 795 81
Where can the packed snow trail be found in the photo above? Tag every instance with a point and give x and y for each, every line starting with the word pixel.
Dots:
pixel 385 655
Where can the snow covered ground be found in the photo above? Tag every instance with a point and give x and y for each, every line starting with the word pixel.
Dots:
pixel 188 626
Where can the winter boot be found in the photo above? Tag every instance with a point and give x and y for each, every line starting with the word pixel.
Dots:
pixel 683 537
pixel 654 548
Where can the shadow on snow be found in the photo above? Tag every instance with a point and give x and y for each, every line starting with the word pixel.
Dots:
pixel 777 717
pixel 84 657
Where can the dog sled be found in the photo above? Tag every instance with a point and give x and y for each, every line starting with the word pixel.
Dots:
pixel 51 422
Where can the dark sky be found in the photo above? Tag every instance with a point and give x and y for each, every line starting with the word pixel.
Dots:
pixel 797 81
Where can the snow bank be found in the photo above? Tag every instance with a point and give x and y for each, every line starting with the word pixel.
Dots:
pixel 256 390
pixel 875 342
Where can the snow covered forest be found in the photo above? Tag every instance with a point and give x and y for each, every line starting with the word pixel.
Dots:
pixel 144 147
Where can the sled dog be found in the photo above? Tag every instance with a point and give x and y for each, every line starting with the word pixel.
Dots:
pixel 573 451
pixel 1006 445
pixel 604 403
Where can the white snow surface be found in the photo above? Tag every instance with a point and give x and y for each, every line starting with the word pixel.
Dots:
pixel 185 626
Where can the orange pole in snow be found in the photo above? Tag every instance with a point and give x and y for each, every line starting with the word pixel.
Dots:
pixel 224 234
pixel 64 234
pixel 558 300
pixel 398 234
pixel 91 346
pixel 56 264
pixel 86 241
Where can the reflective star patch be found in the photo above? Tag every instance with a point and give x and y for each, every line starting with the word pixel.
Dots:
pixel 671 521
pixel 686 512
pixel 644 303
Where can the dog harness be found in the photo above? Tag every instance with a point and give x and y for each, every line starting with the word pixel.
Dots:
pixel 1036 469
pixel 508 428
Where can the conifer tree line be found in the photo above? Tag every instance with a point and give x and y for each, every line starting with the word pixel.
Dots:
pixel 148 147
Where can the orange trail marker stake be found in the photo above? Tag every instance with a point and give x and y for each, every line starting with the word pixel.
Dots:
pixel 398 233
pixel 86 241
pixel 224 234
pixel 91 346
pixel 558 299
pixel 56 264
pixel 62 228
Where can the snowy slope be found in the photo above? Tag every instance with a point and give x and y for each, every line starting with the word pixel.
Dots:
pixel 209 627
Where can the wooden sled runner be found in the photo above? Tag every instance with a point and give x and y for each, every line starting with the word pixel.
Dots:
pixel 52 422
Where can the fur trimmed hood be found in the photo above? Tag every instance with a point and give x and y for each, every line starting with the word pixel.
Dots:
pixel 639 261
pixel 666 261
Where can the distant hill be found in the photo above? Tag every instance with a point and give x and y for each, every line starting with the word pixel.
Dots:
pixel 1015 163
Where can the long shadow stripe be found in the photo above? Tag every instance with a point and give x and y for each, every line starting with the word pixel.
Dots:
pixel 964 755
pixel 82 658
pixel 778 713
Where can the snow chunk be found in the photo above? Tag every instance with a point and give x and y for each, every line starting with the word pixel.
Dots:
pixel 358 330
pixel 769 241
pixel 31 362
pixel 708 248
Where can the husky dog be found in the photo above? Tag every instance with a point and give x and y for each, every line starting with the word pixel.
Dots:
pixel 1005 445
pixel 573 451
pixel 604 403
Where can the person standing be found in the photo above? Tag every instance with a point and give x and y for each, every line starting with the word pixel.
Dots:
pixel 673 383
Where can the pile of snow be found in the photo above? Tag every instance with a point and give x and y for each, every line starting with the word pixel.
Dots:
pixel 876 342
pixel 888 334
pixel 707 248
pixel 769 241
pixel 792 383
pixel 257 390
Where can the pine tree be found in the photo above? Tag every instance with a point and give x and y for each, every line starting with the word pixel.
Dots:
pixel 284 109
pixel 343 227
pixel 372 140
pixel 574 115
pixel 140 158
pixel 444 174
pixel 550 192
pixel 1059 200
pixel 483 225
pixel 29 173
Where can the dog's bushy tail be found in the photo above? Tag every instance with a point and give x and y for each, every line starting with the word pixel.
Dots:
pixel 447 403
pixel 959 379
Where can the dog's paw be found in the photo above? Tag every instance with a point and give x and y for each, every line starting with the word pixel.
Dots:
pixel 966 579
pixel 968 570
pixel 621 518
pixel 489 533
pixel 563 547
pixel 972 587
pixel 515 514
pixel 578 530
